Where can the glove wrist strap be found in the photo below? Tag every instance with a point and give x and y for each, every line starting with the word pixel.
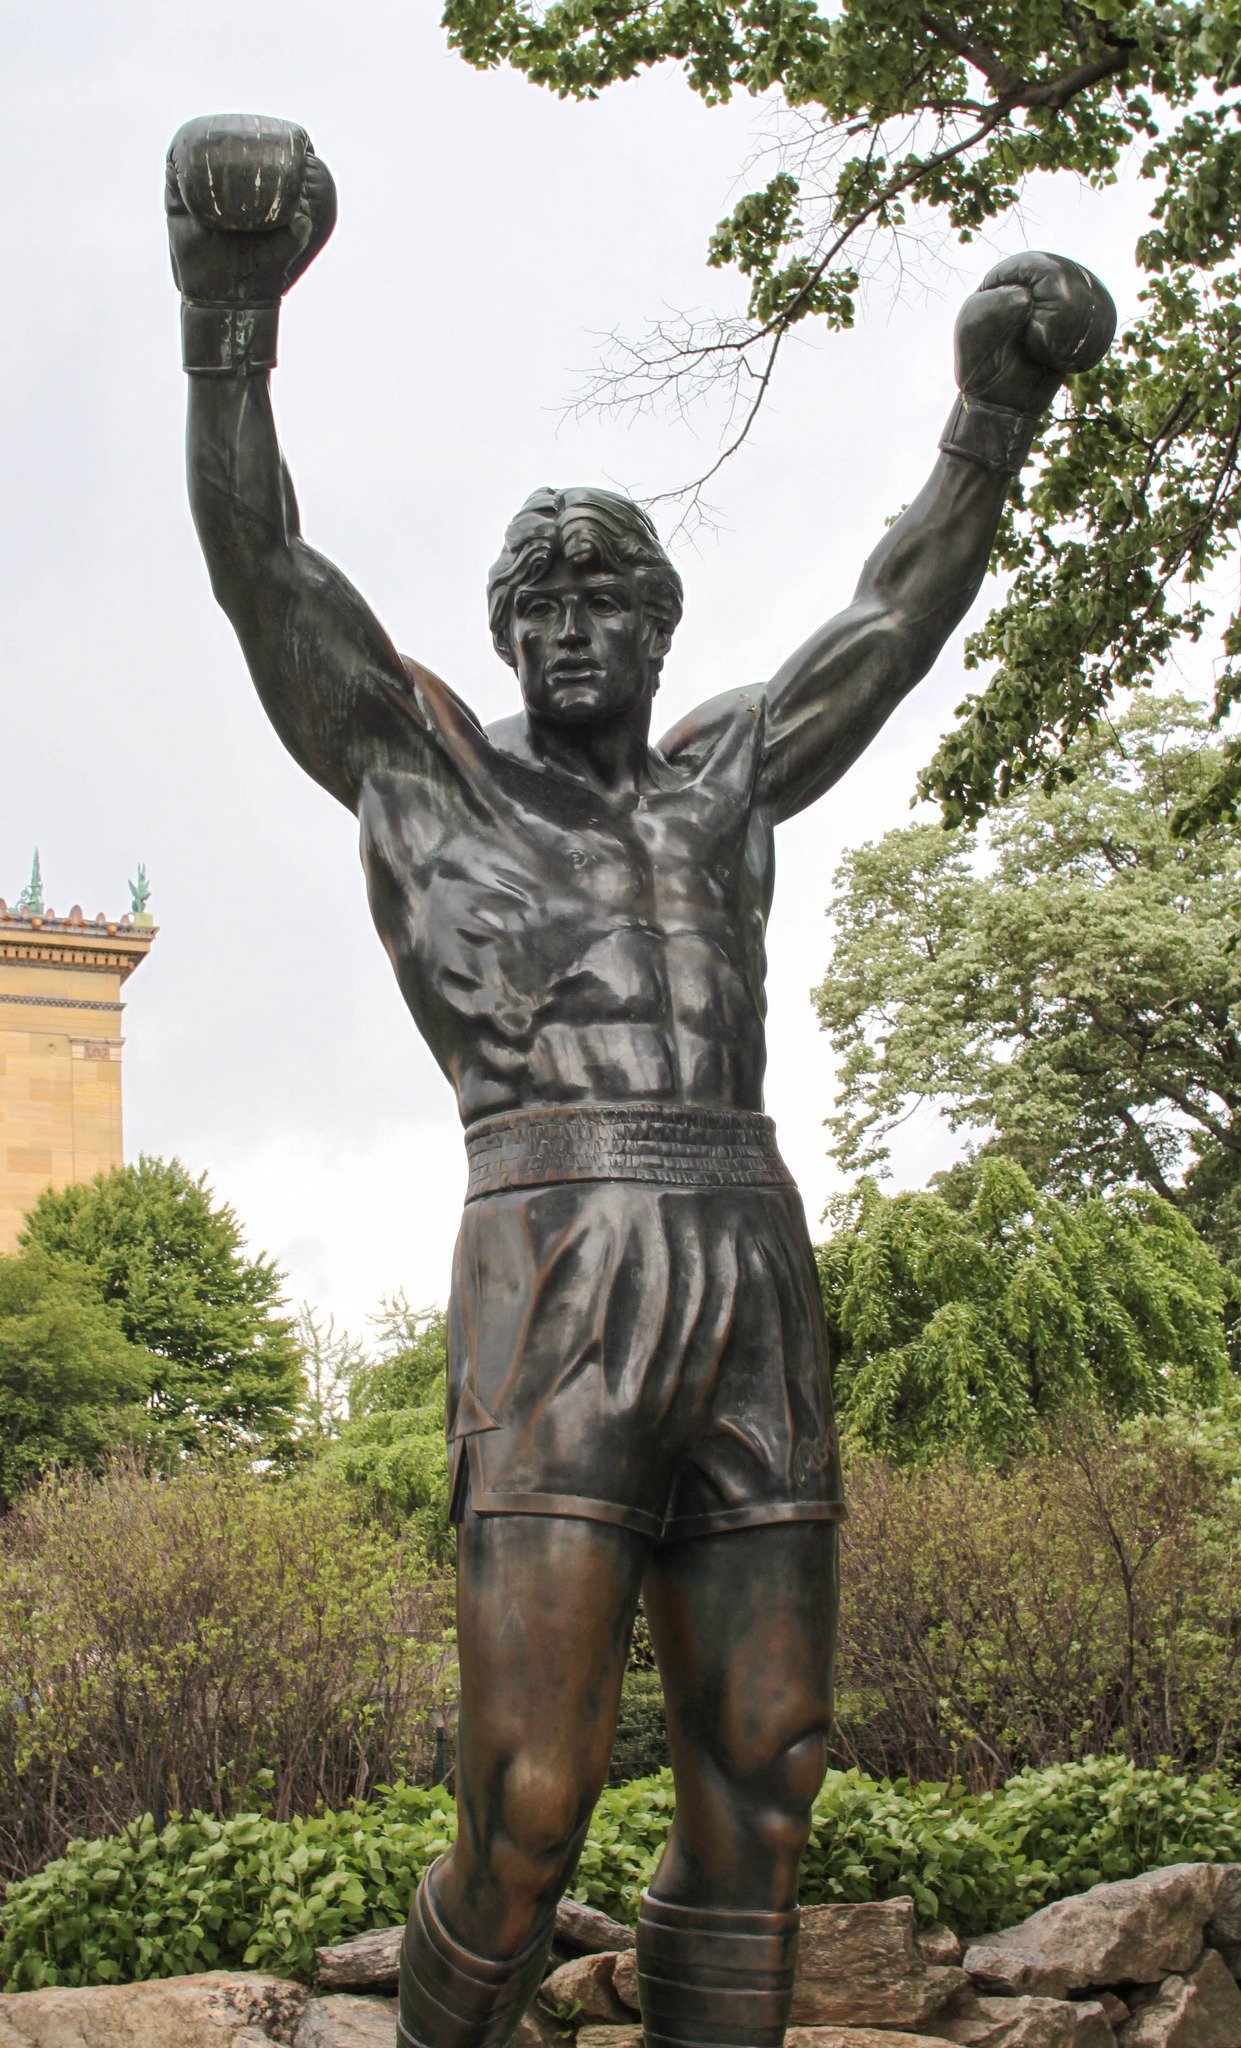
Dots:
pixel 994 436
pixel 228 341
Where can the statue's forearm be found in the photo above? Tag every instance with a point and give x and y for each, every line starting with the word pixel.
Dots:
pixel 240 495
pixel 830 699
pixel 928 568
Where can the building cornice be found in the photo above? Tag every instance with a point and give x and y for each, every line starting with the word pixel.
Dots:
pixel 59 1002
pixel 64 942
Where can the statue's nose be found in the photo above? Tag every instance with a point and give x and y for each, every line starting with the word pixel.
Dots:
pixel 573 622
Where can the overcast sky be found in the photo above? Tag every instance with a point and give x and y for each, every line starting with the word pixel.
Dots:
pixel 487 235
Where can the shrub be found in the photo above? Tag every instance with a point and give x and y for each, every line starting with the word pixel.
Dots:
pixel 970 1316
pixel 265 1893
pixel 640 1747
pixel 199 1641
pixel 391 1449
pixel 985 1860
pixel 1086 1599
pixel 206 1894
pixel 973 1860
pixel 1106 1818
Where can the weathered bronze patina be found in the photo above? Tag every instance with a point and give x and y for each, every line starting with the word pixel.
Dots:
pixel 638 1395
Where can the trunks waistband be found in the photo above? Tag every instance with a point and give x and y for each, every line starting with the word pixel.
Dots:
pixel 649 1141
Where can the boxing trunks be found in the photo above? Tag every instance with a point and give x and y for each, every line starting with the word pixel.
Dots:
pixel 636 1333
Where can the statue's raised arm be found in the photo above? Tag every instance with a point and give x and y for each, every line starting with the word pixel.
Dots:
pixel 1036 320
pixel 249 207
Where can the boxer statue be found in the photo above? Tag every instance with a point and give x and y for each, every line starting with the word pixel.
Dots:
pixel 637 1390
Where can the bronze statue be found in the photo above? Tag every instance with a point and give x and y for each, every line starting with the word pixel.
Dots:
pixel 638 1395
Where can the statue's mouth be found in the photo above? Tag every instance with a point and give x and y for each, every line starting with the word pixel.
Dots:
pixel 574 672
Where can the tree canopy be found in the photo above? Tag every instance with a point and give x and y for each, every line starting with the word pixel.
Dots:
pixel 1068 992
pixel 903 120
pixel 72 1386
pixel 966 1319
pixel 391 1449
pixel 152 1243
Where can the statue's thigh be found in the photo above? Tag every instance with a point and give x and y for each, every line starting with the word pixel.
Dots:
pixel 545 1607
pixel 744 1625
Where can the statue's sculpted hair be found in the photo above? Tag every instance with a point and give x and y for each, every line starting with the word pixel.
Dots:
pixel 587 526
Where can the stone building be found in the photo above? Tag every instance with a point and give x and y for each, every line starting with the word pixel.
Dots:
pixel 60 1045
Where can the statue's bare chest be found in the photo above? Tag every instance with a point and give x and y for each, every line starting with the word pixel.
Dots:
pixel 562 948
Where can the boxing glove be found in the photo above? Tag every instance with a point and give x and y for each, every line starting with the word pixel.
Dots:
pixel 249 206
pixel 1035 320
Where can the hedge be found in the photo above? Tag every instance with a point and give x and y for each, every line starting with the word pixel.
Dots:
pixel 206 1894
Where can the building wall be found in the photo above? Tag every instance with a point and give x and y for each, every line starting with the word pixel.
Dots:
pixel 60 1071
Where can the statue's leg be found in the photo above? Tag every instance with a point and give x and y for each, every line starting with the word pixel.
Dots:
pixel 545 1605
pixel 744 1626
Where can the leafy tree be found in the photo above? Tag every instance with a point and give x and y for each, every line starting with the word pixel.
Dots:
pixel 905 119
pixel 392 1447
pixel 410 1362
pixel 330 1359
pixel 964 1319
pixel 71 1384
pixel 152 1241
pixel 1073 999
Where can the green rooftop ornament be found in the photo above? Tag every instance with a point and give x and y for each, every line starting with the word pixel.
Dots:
pixel 30 902
pixel 140 892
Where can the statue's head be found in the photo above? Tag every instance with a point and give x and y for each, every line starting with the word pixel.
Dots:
pixel 583 603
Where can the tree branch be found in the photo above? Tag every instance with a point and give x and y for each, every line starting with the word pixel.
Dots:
pixel 1012 91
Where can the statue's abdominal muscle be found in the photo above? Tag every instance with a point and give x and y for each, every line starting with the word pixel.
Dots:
pixel 609 976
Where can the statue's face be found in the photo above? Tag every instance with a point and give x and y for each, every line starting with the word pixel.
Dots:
pixel 586 651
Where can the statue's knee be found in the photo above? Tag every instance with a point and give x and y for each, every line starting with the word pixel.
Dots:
pixel 544 1809
pixel 788 1792
pixel 800 1768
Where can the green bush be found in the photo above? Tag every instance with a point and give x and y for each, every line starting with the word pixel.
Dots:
pixel 207 1641
pixel 975 1314
pixel 974 1860
pixel 625 1842
pixel 985 1860
pixel 265 1893
pixel 1104 1818
pixel 391 1449
pixel 1081 1601
pixel 640 1747
pixel 206 1894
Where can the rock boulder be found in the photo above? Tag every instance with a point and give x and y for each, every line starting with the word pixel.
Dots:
pixel 221 2009
pixel 1225 1922
pixel 625 1980
pixel 1199 2009
pixel 1024 2022
pixel 589 1931
pixel 369 1962
pixel 340 2021
pixel 856 2037
pixel 939 1945
pixel 581 1992
pixel 1094 2024
pixel 1135 1931
pixel 861 1966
